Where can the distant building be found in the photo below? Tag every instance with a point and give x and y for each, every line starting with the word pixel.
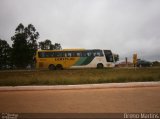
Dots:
pixel 124 64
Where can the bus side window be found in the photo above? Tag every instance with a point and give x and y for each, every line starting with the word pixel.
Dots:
pixel 94 53
pixel 41 54
pixel 84 53
pixel 51 54
pixel 99 53
pixel 60 54
pixel 47 54
pixel 73 54
pixel 78 54
pixel 64 54
pixel 89 53
pixel 55 54
pixel 69 54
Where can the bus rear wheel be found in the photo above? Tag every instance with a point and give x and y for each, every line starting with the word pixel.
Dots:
pixel 51 67
pixel 59 67
pixel 100 66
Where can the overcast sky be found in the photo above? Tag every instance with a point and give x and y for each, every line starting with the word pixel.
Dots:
pixel 124 26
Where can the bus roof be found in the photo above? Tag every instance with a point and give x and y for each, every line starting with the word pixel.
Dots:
pixel 62 50
pixel 76 49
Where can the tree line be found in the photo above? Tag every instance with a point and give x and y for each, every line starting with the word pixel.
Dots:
pixel 22 52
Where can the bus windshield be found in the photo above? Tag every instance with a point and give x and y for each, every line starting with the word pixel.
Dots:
pixel 108 55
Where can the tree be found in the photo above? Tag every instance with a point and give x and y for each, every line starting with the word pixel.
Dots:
pixel 32 37
pixel 24 45
pixel 4 54
pixel 116 57
pixel 47 45
pixel 156 63
pixel 57 46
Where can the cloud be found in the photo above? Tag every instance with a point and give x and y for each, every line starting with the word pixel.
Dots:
pixel 120 25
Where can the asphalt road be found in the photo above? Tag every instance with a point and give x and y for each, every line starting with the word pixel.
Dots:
pixel 141 99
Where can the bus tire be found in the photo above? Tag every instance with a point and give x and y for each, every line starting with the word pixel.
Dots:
pixel 59 67
pixel 100 66
pixel 51 67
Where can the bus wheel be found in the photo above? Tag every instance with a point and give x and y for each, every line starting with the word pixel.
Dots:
pixel 100 66
pixel 51 67
pixel 59 67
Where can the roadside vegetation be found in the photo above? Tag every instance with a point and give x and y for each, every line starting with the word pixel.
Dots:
pixel 78 76
pixel 21 53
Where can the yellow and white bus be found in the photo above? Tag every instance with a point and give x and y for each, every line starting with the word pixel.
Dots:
pixel 74 58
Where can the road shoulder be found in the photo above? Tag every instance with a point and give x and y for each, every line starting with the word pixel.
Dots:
pixel 84 86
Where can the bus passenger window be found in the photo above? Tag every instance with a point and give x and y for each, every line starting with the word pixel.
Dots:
pixel 51 54
pixel 89 53
pixel 41 54
pixel 94 53
pixel 47 54
pixel 69 54
pixel 98 54
pixel 64 54
pixel 55 54
pixel 73 54
pixel 84 54
pixel 101 54
pixel 60 54
pixel 78 54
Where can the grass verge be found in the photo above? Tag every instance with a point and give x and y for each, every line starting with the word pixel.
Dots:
pixel 78 76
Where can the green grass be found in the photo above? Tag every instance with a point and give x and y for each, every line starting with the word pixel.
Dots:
pixel 78 76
